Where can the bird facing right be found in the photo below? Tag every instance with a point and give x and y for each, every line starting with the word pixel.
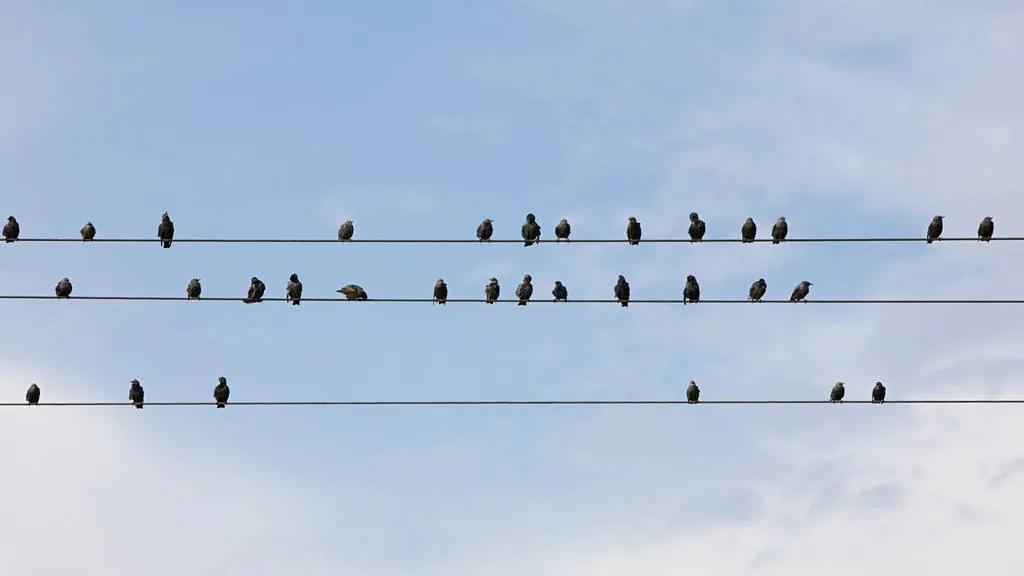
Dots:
pixel 256 291
pixel 838 391
pixel 801 291
pixel 757 290
pixel 935 229
pixel 193 290
pixel 692 393
pixel 525 290
pixel 986 228
pixel 633 231
pixel 346 230
pixel 560 292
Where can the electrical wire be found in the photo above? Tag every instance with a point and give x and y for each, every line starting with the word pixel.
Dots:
pixel 521 402
pixel 845 240
pixel 514 301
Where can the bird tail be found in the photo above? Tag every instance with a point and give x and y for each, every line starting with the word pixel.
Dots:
pixel 625 304
pixel 220 404
pixel 138 405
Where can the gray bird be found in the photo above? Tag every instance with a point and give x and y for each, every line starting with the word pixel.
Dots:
pixel 693 393
pixel 986 228
pixel 440 292
pixel 88 232
pixel 63 288
pixel 221 392
pixel 492 291
pixel 757 290
pixel 11 229
pixel 194 289
pixel 935 229
pixel 633 231
pixel 622 291
pixel 838 391
pixel 697 227
pixel 560 292
pixel 256 291
pixel 878 393
pixel 353 292
pixel 32 395
pixel 346 230
pixel 691 291
pixel 136 394
pixel 749 230
pixel 525 290
pixel 293 292
pixel 485 230
pixel 165 231
pixel 779 230
pixel 531 230
pixel 562 230
pixel 801 291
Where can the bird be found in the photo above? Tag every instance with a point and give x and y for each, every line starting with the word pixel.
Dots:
pixel 485 230
pixel 32 395
pixel 986 228
pixel 346 230
pixel 63 288
pixel 88 232
pixel 293 292
pixel 560 292
pixel 633 231
pixel 492 291
pixel 691 291
pixel 353 292
pixel 878 393
pixel 256 290
pixel 531 230
pixel 779 230
pixel 136 394
pixel 838 391
pixel 697 227
pixel 749 230
pixel 194 289
pixel 757 290
pixel 11 229
pixel 622 291
pixel 562 230
pixel 801 291
pixel 935 229
pixel 525 290
pixel 692 393
pixel 165 232
pixel 221 392
pixel 440 292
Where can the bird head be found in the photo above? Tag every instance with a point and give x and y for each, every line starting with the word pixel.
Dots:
pixel 632 219
pixel 488 221
pixel 691 278
pixel 494 280
pixel 348 222
pixel 782 218
pixel 760 281
pixel 11 219
pixel 988 218
pixel 878 384
pixel 559 282
pixel 938 218
pixel 840 385
pixel 135 382
pixel 563 221
pixel 165 217
pixel 88 223
pixel 222 380
pixel 527 278
pixel 530 217
pixel 750 220
pixel 694 216
pixel 440 280
pixel 294 277
pixel 255 279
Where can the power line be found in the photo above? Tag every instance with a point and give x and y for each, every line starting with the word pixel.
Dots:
pixel 846 240
pixel 370 403
pixel 514 301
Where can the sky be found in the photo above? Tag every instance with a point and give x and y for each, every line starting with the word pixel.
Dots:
pixel 418 120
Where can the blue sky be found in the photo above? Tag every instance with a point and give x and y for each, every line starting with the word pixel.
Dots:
pixel 419 120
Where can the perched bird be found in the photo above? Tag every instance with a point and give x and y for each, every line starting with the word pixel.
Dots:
pixel 562 230
pixel 485 230
pixel 11 229
pixel 353 292
pixel 32 395
pixel 221 392
pixel 531 230
pixel 525 290
pixel 492 291
pixel 346 230
pixel 986 228
pixel 749 230
pixel 780 230
pixel 838 391
pixel 293 292
pixel 801 291
pixel 757 290
pixel 63 288
pixel 633 231
pixel 697 227
pixel 136 394
pixel 691 292
pixel 693 393
pixel 256 291
pixel 560 292
pixel 440 292
pixel 194 289
pixel 165 231
pixel 935 229
pixel 88 232
pixel 622 291
pixel 878 393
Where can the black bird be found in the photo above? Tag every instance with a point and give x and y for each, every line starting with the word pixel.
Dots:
pixel 562 230
pixel 165 231
pixel 560 292
pixel 194 289
pixel 256 291
pixel 935 229
pixel 697 227
pixel 353 292
pixel 32 395
pixel 293 292
pixel 622 291
pixel 11 229
pixel 757 290
pixel 986 228
pixel 492 291
pixel 779 230
pixel 221 392
pixel 693 393
pixel 878 393
pixel 801 291
pixel 749 230
pixel 88 232
pixel 63 288
pixel 525 290
pixel 838 391
pixel 440 292
pixel 346 230
pixel 633 231
pixel 136 394
pixel 531 230
pixel 485 230
pixel 691 291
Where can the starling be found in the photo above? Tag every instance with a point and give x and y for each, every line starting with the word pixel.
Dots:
pixel 440 292
pixel 838 391
pixel 986 228
pixel 256 290
pixel 63 288
pixel 531 230
pixel 485 230
pixel 194 289
pixel 697 227
pixel 780 230
pixel 562 230
pixel 878 393
pixel 622 291
pixel 136 394
pixel 221 392
pixel 88 232
pixel 801 291
pixel 935 229
pixel 633 231
pixel 11 229
pixel 165 231
pixel 691 292
pixel 525 290
pixel 346 230
pixel 692 393
pixel 749 230
pixel 353 292
pixel 757 290
pixel 560 292
pixel 32 395
pixel 492 291
pixel 293 293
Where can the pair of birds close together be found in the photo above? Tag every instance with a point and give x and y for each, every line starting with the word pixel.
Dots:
pixel 839 392
pixel 985 229
pixel 137 395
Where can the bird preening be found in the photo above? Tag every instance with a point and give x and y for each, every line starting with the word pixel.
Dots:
pixel 531 230
pixel 757 290
pixel 136 394
pixel 525 290
pixel 353 292
pixel 256 291
pixel 63 288
pixel 165 231
pixel 221 392
pixel 88 232
pixel 346 230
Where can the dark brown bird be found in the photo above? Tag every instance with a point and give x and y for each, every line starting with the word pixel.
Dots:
pixel 353 292
pixel 194 289
pixel 256 291
pixel 525 290
pixel 531 230
pixel 63 288
pixel 221 392
pixel 878 393
pixel 935 229
pixel 492 291
pixel 88 232
pixel 692 393
pixel 757 290
pixel 165 231
pixel 440 292
pixel 633 231
pixel 779 230
pixel 293 292
pixel 697 227
pixel 346 230
pixel 11 229
pixel 691 291
pixel 485 230
pixel 32 395
pixel 136 394
pixel 560 292
pixel 801 291
pixel 562 230
pixel 749 231
pixel 622 291
pixel 986 228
